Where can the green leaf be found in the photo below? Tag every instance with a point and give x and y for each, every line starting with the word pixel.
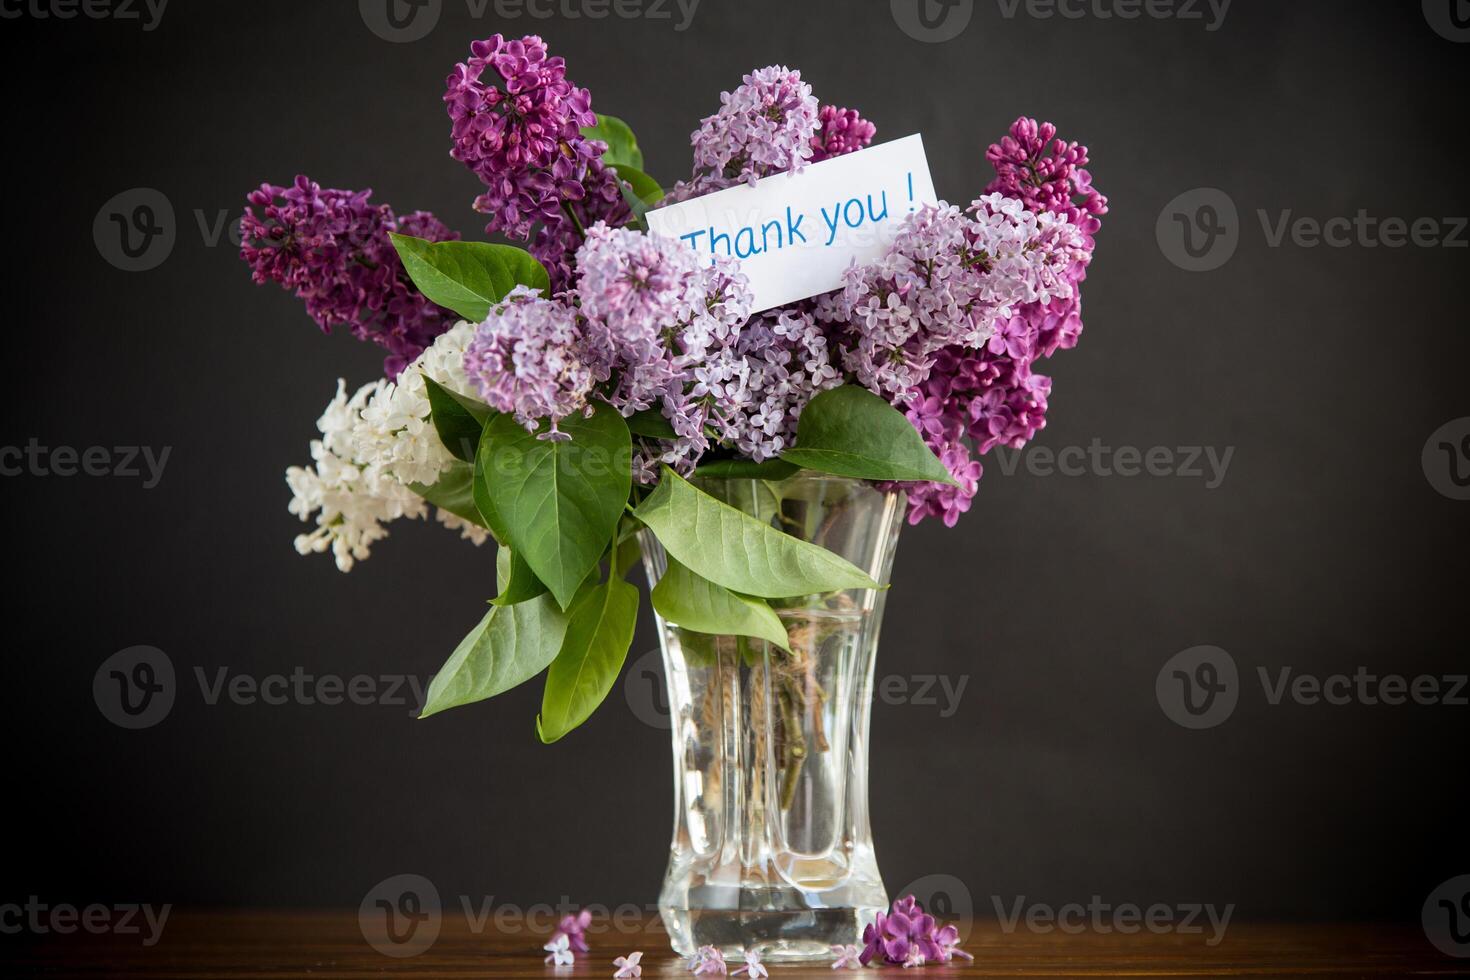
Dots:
pixel 458 419
pixel 511 645
pixel 696 603
pixel 645 188
pixel 852 432
pixel 738 551
pixel 468 277
pixel 480 490
pixel 559 500
pixel 599 632
pixel 453 492
pixel 622 145
pixel 651 424
pixel 774 470
pixel 514 579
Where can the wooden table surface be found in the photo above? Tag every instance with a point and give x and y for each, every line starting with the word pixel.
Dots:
pixel 327 944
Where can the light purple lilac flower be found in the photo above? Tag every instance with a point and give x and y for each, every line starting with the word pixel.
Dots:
pixel 574 927
pixel 840 131
pixel 331 248
pixel 558 951
pixel 637 291
pixel 516 123
pixel 627 966
pixel 947 279
pixel 765 126
pixel 846 958
pixel 707 961
pixel 530 357
pixel 753 967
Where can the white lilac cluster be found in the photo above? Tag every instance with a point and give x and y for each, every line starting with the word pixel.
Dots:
pixel 945 282
pixel 372 446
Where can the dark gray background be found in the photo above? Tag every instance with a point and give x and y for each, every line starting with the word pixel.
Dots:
pixel 1060 599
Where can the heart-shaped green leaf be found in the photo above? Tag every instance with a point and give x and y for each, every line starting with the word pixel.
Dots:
pixel 458 419
pixel 695 603
pixel 622 145
pixel 738 551
pixel 599 632
pixel 510 645
pixel 774 470
pixel 514 578
pixel 651 424
pixel 852 432
pixel 558 500
pixel 454 492
pixel 468 277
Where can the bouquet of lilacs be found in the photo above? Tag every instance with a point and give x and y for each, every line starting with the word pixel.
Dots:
pixel 566 393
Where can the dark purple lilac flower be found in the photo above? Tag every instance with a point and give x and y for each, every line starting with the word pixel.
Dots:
pixel 574 927
pixel 840 131
pixel 908 936
pixel 331 248
pixel 1046 178
pixel 516 122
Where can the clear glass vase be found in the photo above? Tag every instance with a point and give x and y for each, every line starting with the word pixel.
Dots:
pixel 772 848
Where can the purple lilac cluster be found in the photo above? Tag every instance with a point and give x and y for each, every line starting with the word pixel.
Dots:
pixel 908 936
pixel 977 398
pixel 531 357
pixel 516 122
pixel 840 131
pixel 767 125
pixel 1047 178
pixel 331 248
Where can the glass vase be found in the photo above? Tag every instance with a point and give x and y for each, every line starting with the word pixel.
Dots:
pixel 772 848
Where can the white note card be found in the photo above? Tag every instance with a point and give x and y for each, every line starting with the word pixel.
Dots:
pixel 794 234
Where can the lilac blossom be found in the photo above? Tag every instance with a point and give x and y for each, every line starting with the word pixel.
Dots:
pixel 516 122
pixel 947 279
pixel 907 935
pixel 331 248
pixel 840 131
pixel 765 126
pixel 574 927
pixel 846 958
pixel 707 961
pixel 558 951
pixel 1046 178
pixel 530 357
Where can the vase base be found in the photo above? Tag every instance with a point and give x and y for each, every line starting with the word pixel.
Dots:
pixel 779 936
